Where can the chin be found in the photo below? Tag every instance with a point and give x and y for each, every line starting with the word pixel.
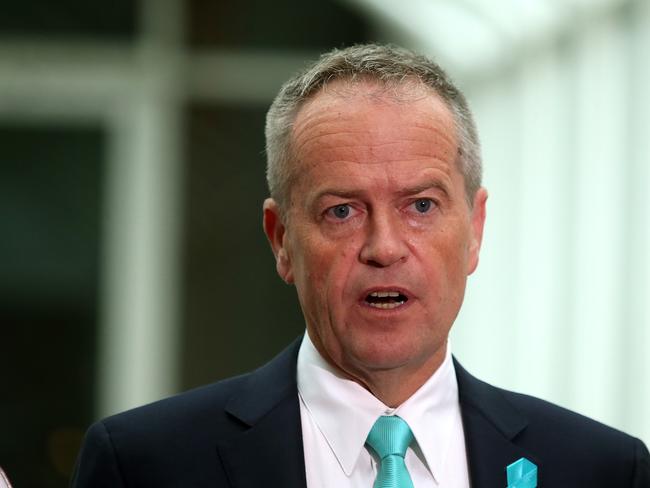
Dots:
pixel 384 356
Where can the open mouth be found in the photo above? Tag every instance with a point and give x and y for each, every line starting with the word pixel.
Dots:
pixel 386 299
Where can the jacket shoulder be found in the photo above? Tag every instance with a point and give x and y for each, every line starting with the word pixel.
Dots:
pixel 551 419
pixel 190 408
pixel 564 425
pixel 570 446
pixel 147 445
pixel 173 442
pixel 584 443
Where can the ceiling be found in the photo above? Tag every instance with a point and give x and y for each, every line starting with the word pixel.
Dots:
pixel 472 36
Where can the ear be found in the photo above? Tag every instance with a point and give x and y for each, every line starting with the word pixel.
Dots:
pixel 476 228
pixel 275 231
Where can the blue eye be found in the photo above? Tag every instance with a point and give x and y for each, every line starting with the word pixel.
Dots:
pixel 423 205
pixel 340 211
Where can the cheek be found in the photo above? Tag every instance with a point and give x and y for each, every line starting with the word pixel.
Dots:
pixel 312 266
pixel 443 258
pixel 326 272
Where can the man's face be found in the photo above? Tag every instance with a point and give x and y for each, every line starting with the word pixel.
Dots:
pixel 379 238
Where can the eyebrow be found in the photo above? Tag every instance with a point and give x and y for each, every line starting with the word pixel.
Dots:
pixel 414 190
pixel 337 193
pixel 410 190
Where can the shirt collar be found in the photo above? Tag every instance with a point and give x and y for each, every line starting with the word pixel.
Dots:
pixel 344 411
pixel 430 412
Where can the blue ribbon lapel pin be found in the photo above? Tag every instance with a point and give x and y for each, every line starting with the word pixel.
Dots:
pixel 522 474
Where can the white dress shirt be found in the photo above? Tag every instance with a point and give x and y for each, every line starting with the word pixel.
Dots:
pixel 337 415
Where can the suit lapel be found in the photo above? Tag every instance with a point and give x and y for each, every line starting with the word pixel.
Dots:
pixel 491 426
pixel 269 451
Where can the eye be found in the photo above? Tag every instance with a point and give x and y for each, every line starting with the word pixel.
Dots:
pixel 340 211
pixel 423 205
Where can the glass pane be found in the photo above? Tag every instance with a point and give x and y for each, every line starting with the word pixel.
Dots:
pixel 50 181
pixel 237 311
pixel 69 18
pixel 260 24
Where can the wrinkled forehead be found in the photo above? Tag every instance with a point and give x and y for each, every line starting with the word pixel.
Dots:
pixel 368 106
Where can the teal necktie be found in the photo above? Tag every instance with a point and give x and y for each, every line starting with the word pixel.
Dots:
pixel 389 438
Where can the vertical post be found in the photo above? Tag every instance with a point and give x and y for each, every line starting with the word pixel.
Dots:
pixel 138 356
pixel 637 320
pixel 600 227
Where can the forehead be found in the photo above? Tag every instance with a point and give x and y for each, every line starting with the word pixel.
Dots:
pixel 344 97
pixel 365 122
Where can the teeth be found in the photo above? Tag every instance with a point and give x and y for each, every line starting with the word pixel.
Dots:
pixel 383 294
pixel 386 305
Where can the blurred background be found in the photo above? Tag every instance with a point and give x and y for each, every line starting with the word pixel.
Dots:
pixel 132 259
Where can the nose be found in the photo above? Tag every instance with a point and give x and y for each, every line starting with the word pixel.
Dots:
pixel 385 243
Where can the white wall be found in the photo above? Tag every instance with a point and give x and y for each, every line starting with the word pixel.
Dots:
pixel 560 306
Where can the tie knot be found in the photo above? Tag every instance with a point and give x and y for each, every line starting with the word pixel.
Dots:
pixel 390 435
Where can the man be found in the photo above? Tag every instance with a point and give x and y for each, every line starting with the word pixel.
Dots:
pixel 376 216
pixel 4 481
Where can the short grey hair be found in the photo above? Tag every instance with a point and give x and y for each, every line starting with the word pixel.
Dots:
pixel 385 64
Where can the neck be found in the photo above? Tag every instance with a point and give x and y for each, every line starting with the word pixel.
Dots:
pixel 393 387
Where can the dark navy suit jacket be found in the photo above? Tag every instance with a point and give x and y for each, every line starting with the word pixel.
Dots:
pixel 245 432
